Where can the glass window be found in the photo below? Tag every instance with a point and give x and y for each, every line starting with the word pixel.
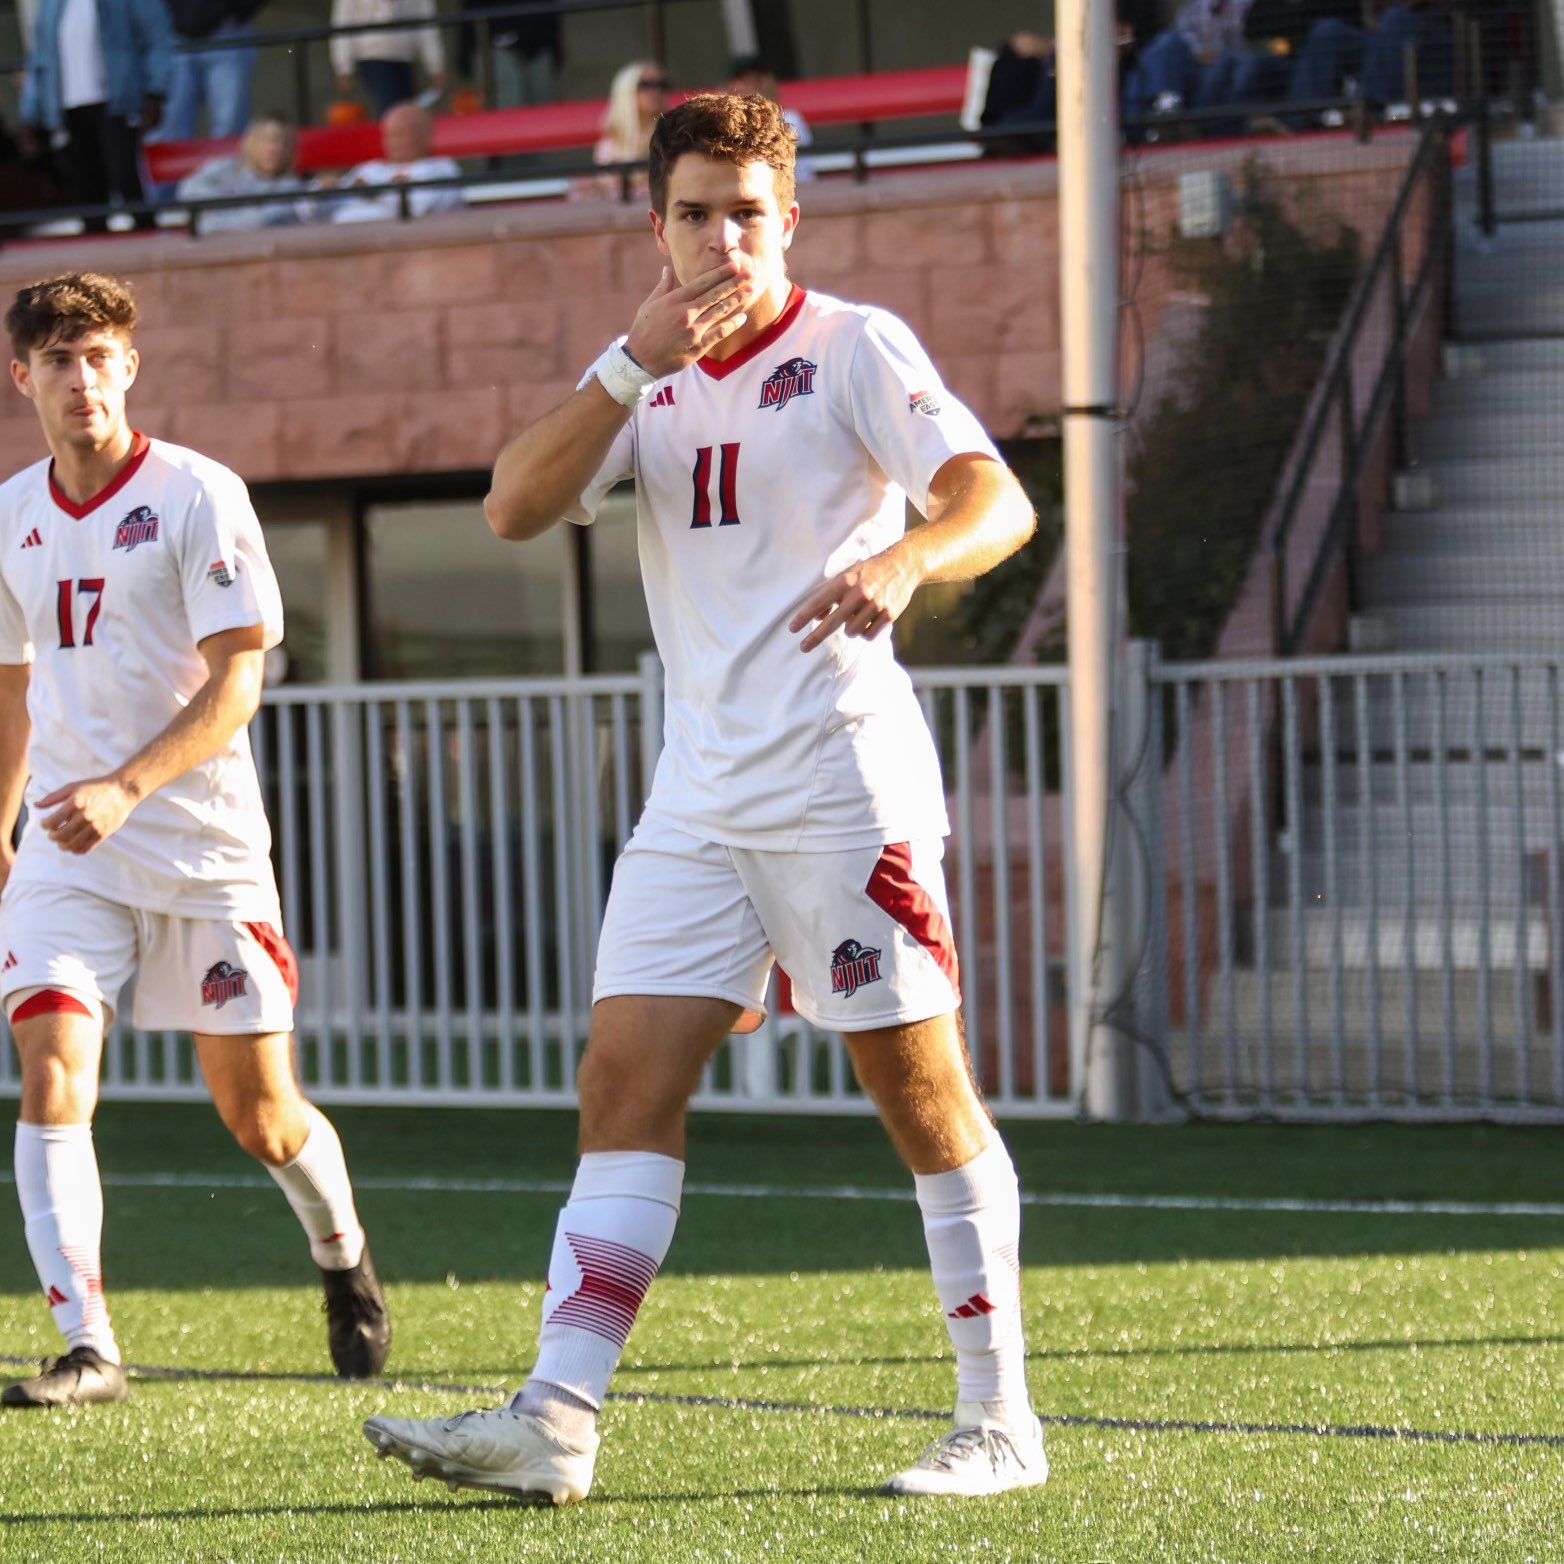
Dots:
pixel 618 628
pixel 445 599
pixel 298 554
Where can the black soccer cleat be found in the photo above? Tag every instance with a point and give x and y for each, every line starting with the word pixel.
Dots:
pixel 78 1379
pixel 358 1328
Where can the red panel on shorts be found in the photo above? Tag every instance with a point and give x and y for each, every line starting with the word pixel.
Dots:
pixel 281 952
pixel 50 1002
pixel 892 888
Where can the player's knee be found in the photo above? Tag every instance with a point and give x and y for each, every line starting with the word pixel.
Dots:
pixel 57 1088
pixel 621 1108
pixel 264 1138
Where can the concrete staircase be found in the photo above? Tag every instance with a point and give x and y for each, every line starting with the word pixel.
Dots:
pixel 1437 872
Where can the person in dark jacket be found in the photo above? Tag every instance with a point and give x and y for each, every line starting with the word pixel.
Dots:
pixel 98 74
pixel 524 53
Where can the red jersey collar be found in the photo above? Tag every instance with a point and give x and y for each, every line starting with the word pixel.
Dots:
pixel 720 371
pixel 139 446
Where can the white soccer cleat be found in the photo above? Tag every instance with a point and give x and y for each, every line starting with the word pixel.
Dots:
pixel 976 1458
pixel 500 1450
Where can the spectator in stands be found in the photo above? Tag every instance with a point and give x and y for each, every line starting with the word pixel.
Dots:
pixel 383 61
pixel 636 96
pixel 1023 86
pixel 750 74
pixel 99 74
pixel 1023 89
pixel 27 179
pixel 263 165
pixel 524 54
pixel 407 132
pixel 216 79
pixel 1196 63
pixel 1339 58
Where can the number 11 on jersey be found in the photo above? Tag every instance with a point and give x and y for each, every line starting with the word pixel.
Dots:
pixel 727 487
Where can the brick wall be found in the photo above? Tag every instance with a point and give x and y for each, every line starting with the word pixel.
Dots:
pixel 403 348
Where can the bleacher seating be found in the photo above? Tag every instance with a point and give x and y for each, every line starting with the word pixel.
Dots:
pixel 557 127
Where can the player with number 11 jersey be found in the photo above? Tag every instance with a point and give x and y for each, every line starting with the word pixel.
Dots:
pixel 757 475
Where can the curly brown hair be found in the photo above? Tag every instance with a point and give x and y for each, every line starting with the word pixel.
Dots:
pixel 66 307
pixel 727 127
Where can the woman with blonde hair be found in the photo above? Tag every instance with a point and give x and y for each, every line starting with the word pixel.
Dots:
pixel 636 96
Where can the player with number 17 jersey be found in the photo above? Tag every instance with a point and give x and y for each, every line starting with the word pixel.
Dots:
pixel 108 601
pixel 757 477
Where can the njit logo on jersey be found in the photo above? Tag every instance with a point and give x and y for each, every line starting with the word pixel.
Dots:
pixel 222 983
pixel 219 572
pixel 924 402
pixel 853 965
pixel 140 526
pixel 794 378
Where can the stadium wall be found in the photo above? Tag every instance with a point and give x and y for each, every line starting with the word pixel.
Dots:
pixel 406 348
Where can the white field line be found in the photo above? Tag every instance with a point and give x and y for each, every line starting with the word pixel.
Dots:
pixel 852 1192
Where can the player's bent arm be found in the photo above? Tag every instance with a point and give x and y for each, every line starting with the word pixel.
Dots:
pixel 15 731
pixel 84 813
pixel 542 472
pixel 978 516
pixel 224 704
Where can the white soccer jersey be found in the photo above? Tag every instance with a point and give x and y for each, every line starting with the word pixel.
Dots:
pixel 756 479
pixel 108 601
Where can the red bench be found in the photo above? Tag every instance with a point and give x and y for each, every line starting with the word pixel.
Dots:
pixel 554 127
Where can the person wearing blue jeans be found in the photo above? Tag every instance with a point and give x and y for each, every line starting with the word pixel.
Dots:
pixel 1196 63
pixel 216 79
pixel 1336 53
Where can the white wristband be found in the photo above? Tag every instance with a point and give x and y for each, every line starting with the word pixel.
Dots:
pixel 622 378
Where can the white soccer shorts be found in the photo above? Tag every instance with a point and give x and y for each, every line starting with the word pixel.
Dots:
pixel 192 974
pixel 863 935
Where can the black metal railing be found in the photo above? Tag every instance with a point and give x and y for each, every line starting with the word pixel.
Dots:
pixel 1335 402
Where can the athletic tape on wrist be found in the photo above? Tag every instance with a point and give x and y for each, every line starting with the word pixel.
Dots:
pixel 622 378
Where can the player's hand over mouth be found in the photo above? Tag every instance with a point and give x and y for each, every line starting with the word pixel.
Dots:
pixel 681 322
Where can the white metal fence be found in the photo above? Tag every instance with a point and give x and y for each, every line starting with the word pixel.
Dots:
pixel 1359 886
pixel 444 854
pixel 1349 876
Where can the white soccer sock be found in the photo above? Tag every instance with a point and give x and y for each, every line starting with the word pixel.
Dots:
pixel 61 1197
pixel 317 1186
pixel 972 1224
pixel 612 1236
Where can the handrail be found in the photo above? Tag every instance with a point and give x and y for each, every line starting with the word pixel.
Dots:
pixel 1336 402
pixel 864 152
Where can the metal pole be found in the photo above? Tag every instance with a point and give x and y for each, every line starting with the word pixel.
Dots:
pixel 658 33
pixel 738 17
pixel 1089 299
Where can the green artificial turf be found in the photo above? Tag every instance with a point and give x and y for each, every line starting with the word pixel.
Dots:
pixel 1223 1381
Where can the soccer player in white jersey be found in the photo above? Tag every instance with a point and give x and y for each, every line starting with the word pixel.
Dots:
pixel 797 813
pixel 136 605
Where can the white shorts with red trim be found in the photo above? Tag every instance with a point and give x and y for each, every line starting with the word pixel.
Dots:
pixel 863 935
pixel 192 974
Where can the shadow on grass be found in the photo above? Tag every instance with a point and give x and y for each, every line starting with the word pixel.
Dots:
pixel 198 1236
pixel 413 1506
pixel 1099 1354
pixel 490 1381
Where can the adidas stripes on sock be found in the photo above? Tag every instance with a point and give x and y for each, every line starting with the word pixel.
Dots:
pixel 61 1197
pixel 972 1225
pixel 317 1186
pixel 612 1236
